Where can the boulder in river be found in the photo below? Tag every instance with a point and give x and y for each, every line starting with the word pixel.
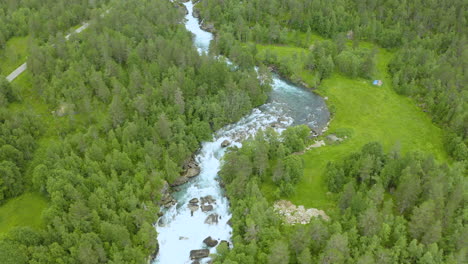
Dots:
pixel 193 207
pixel 194 201
pixel 208 199
pixel 229 222
pixel 206 208
pixel 225 143
pixel 210 242
pixel 212 219
pixel 191 168
pixel 199 253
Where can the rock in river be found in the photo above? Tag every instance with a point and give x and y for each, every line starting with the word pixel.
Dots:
pixel 193 207
pixel 212 219
pixel 225 143
pixel 210 242
pixel 194 201
pixel 206 208
pixel 208 199
pixel 199 253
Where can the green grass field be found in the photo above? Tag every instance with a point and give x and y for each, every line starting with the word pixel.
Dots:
pixel 24 210
pixel 14 54
pixel 372 114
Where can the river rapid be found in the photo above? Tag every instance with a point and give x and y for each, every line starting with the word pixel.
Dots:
pixel 179 231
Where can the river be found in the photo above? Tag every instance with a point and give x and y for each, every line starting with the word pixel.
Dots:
pixel 179 231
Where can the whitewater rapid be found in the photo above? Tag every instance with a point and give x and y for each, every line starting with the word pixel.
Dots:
pixel 179 231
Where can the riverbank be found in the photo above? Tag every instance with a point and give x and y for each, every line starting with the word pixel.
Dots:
pixel 365 113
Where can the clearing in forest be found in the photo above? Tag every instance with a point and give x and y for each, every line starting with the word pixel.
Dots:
pixel 365 113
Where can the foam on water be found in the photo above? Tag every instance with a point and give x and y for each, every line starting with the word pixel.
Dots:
pixel 178 231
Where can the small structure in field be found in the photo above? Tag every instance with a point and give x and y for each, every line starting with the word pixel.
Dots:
pixel 377 83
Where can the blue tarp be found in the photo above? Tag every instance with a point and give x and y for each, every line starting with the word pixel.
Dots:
pixel 377 82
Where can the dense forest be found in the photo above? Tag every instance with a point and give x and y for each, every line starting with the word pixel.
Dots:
pixel 429 39
pixel 134 99
pixel 42 18
pixel 391 208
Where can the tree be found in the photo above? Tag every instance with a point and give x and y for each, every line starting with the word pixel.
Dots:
pixel 6 92
pixel 325 67
pixel 279 253
pixel 348 63
pixel 336 251
pixel 369 221
pixel 408 191
pixel 305 257
pixel 423 225
pixel 12 253
pixel 11 181
pixel 294 168
pixel 117 111
pixel 164 127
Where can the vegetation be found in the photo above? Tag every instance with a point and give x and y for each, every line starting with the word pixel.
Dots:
pixel 374 218
pixel 24 210
pixel 364 112
pixel 13 55
pixel 98 124
pixel 127 102
pixel 23 22
pixel 392 208
pixel 430 45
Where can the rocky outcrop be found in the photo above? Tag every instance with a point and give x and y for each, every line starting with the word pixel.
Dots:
pixel 191 168
pixel 210 242
pixel 212 219
pixel 196 13
pixel 225 143
pixel 179 181
pixel 333 138
pixel 166 197
pixel 199 253
pixel 297 214
pixel 192 172
pixel 208 27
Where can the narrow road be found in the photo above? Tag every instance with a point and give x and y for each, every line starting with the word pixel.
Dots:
pixel 12 76
pixel 17 72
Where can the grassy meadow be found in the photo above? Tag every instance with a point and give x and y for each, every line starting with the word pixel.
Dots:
pixel 24 210
pixel 14 54
pixel 367 112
